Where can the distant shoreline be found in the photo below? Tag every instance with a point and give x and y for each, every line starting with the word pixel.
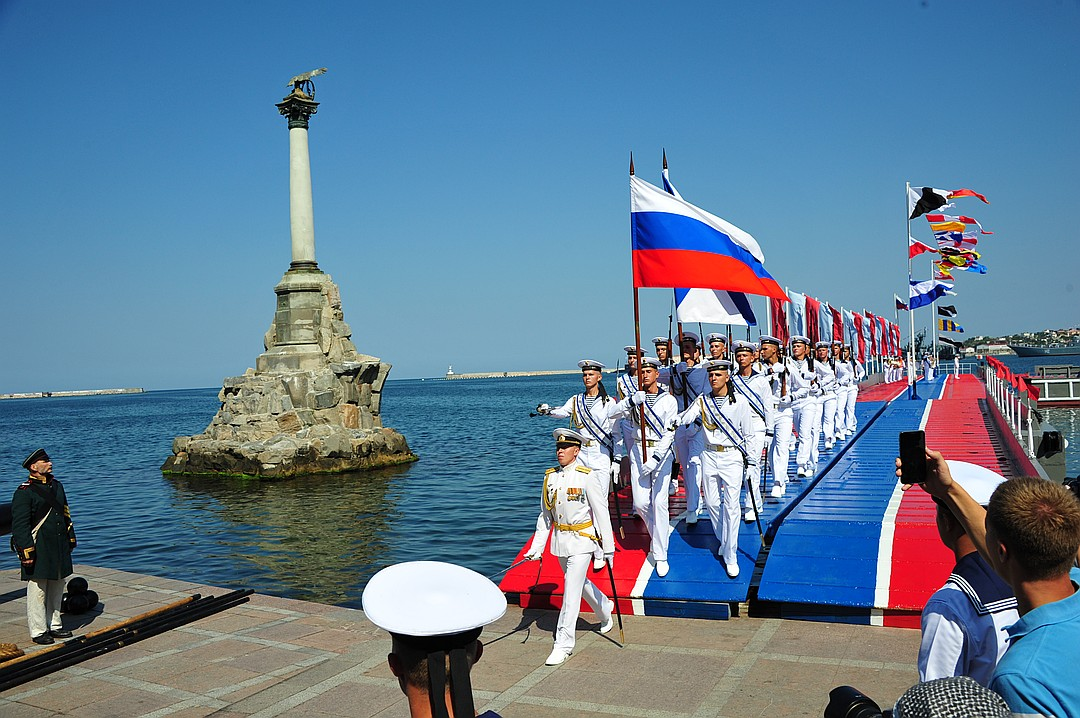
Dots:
pixel 80 392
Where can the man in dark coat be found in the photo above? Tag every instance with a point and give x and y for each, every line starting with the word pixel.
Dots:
pixel 43 536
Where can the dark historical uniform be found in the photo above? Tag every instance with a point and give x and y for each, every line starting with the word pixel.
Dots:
pixel 50 549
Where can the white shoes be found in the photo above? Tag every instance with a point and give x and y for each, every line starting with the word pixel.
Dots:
pixel 750 515
pixel 777 492
pixel 597 564
pixel 828 445
pixel 732 569
pixel 661 568
pixel 557 657
pixel 607 625
pixel 691 518
pixel 801 471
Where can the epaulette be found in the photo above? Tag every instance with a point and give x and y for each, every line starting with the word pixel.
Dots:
pixel 24 485
pixel 583 469
pixel 552 469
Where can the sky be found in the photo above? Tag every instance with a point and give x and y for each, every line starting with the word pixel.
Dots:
pixel 469 169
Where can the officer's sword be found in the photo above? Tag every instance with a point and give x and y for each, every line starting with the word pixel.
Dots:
pixel 615 598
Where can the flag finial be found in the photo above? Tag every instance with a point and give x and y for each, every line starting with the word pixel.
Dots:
pixel 665 158
pixel 631 163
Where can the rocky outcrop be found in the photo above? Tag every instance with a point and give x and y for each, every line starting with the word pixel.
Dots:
pixel 311 406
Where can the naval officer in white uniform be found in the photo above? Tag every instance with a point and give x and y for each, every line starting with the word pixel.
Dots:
pixel 724 418
pixel 651 474
pixel 574 504
pixel 825 369
pixel 688 381
pixel 754 387
pixel 779 371
pixel 804 407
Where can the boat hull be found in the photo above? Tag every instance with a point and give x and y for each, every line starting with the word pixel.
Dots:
pixel 1025 351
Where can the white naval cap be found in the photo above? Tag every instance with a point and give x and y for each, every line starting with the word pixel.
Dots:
pixel 568 436
pixel 978 481
pixel 741 346
pixel 716 337
pixel 689 336
pixel 651 361
pixel 837 342
pixel 821 345
pixel 660 340
pixel 630 349
pixel 428 599
pixel 590 364
pixel 716 364
pixel 769 339
pixel 800 338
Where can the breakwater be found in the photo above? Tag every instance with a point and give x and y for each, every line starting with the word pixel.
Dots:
pixel 507 374
pixel 78 392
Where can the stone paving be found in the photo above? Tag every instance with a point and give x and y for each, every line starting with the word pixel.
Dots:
pixel 280 657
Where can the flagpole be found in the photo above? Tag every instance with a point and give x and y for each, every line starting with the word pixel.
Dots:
pixel 913 391
pixel 637 335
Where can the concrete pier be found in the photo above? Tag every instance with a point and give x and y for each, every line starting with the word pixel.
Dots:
pixel 279 657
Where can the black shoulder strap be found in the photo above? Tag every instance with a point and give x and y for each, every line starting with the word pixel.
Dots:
pixel 50 498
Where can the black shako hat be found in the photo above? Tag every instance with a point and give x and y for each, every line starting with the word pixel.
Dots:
pixel 38 455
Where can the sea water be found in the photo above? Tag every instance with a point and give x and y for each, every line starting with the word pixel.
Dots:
pixel 472 499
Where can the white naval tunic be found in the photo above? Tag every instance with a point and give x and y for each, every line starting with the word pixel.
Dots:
pixel 574 504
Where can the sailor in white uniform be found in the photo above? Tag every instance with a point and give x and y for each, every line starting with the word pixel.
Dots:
pixel 574 504
pixel 663 353
pixel 779 370
pixel 718 345
pixel 754 387
pixel 591 413
pixel 724 417
pixel 848 374
pixel 688 381
pixel 650 475
pixel 804 406
pixel 825 368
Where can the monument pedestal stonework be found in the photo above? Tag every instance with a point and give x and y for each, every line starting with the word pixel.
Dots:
pixel 310 406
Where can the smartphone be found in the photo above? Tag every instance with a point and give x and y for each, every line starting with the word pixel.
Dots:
pixel 912 457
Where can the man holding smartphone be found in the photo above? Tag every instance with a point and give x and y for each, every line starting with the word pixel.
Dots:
pixel 1030 534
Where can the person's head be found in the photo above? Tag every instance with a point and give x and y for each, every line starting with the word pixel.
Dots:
pixel 631 358
pixel 663 348
pixel 1032 529
pixel 38 464
pixel 744 354
pixel 591 373
pixel 719 374
pixel 688 346
pixel 718 344
pixel 821 351
pixel 649 373
pixel 434 613
pixel 846 354
pixel 770 348
pixel 800 347
pixel 979 482
pixel 837 348
pixel 567 445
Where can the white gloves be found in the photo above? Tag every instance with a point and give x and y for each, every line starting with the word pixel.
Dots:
pixel 638 398
pixel 610 558
pixel 650 465
pixel 534 555
pixel 543 409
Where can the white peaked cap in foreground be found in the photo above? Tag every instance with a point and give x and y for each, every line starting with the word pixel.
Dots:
pixel 978 481
pixel 431 598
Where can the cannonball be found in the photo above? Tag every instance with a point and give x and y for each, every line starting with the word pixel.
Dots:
pixel 78 603
pixel 77 585
pixel 92 597
pixel 64 604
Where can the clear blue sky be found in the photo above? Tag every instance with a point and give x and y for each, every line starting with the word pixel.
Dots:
pixel 469 169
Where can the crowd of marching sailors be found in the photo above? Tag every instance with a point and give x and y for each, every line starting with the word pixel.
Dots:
pixel 724 423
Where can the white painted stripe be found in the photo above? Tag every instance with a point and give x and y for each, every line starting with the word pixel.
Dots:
pixel 877 617
pixel 885 541
pixel 944 384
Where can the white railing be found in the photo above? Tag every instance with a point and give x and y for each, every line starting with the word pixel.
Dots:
pixel 1018 410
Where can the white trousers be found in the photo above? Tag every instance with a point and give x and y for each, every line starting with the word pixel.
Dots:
pixel 779 449
pixel 828 416
pixel 843 396
pixel 755 442
pixel 576 587
pixel 650 494
pixel 807 420
pixel 849 408
pixel 596 458
pixel 688 447
pixel 43 605
pixel 722 472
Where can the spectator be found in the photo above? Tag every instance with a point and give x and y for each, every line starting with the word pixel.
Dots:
pixel 1030 534
pixel 434 613
pixel 964 622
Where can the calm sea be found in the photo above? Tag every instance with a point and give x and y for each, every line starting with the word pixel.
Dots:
pixel 471 499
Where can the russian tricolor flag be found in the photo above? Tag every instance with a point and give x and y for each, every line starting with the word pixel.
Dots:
pixel 676 244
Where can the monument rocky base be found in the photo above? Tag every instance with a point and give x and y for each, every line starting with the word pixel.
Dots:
pixel 312 407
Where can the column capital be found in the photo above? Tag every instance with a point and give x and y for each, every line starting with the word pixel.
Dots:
pixel 298 107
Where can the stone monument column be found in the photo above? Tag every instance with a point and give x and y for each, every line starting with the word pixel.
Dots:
pixel 298 107
pixel 312 403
